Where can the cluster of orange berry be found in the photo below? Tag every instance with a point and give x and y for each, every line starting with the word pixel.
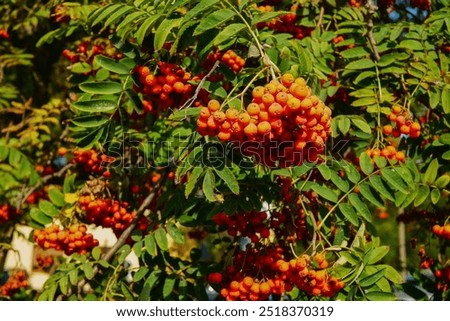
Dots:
pixel 248 224
pixel 403 124
pixel 285 23
pixel 442 231
pixel 388 152
pixel 284 123
pixel 168 87
pixel 92 162
pixel 71 240
pixel 426 261
pixel 7 212
pixel 279 276
pixel 44 261
pixel 355 3
pixel 16 281
pixel 233 60
pixel 109 213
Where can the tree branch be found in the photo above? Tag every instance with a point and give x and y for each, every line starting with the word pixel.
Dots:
pixel 371 9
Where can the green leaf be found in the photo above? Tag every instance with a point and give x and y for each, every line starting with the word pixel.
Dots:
pixel 364 102
pixel 266 16
pixel 377 184
pixel 56 197
pixel 64 284
pixel 88 270
pixel 73 276
pixel 95 106
pixel 104 13
pixel 126 292
pixel 141 33
pixel 169 285
pixel 324 171
pixel 362 124
pixel 208 186
pixel 185 113
pixel 431 172
pixel 360 64
pixel 111 65
pixel 366 191
pixel 199 8
pixel 377 254
pixel 360 206
pixel 352 173
pixel 364 75
pixel 381 296
pixel 163 31
pixel 90 121
pixel 228 177
pixel 393 178
pixel 422 195
pixel 96 253
pixel 343 185
pixel 175 233
pixel 140 274
pixel 391 274
pixel 380 161
pixel 446 100
pixel 435 195
pixel 38 216
pixel 81 68
pixel 228 33
pixel 161 239
pixel 366 163
pixel 101 87
pixel 214 20
pixel 48 208
pixel 344 125
pixel 411 44
pixel 442 181
pixel 325 192
pixel 356 52
pixel 118 14
pixel 349 213
pixel 371 279
pixel 150 245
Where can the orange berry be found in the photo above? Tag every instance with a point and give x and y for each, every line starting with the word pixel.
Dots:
pixel 404 129
pixel 213 105
pixel 178 87
pixel 396 109
pixel 204 112
pixel 287 79
pixel 219 116
pixel 264 127
pixel 234 285
pixel 387 129
pixel 231 114
pixel 253 109
pixel 224 136
pixel 62 151
pixel 415 126
pixel 268 99
pixel 271 88
pixel 264 288
pixel 301 92
pixel 255 288
pixel 247 282
pixel 293 103
pixel 258 92
pixel 300 81
pixel 275 110
pixel 263 115
pixel 392 117
pixel 282 98
pixel 400 156
pixel 244 118
pixel 251 130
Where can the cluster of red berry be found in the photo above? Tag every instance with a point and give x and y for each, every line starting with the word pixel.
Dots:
pixel 44 261
pixel 109 213
pixel 15 282
pixel 248 224
pixel 442 231
pixel 284 123
pixel 92 162
pixel 34 197
pixel 71 240
pixel 167 87
pixel 87 50
pixel 403 124
pixel 285 23
pixel 426 261
pixel 7 213
pixel 277 276
pixel 443 279
pixel 355 3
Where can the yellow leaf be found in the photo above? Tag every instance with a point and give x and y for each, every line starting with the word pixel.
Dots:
pixel 71 198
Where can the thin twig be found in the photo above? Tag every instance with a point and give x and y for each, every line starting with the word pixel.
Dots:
pixel 371 9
